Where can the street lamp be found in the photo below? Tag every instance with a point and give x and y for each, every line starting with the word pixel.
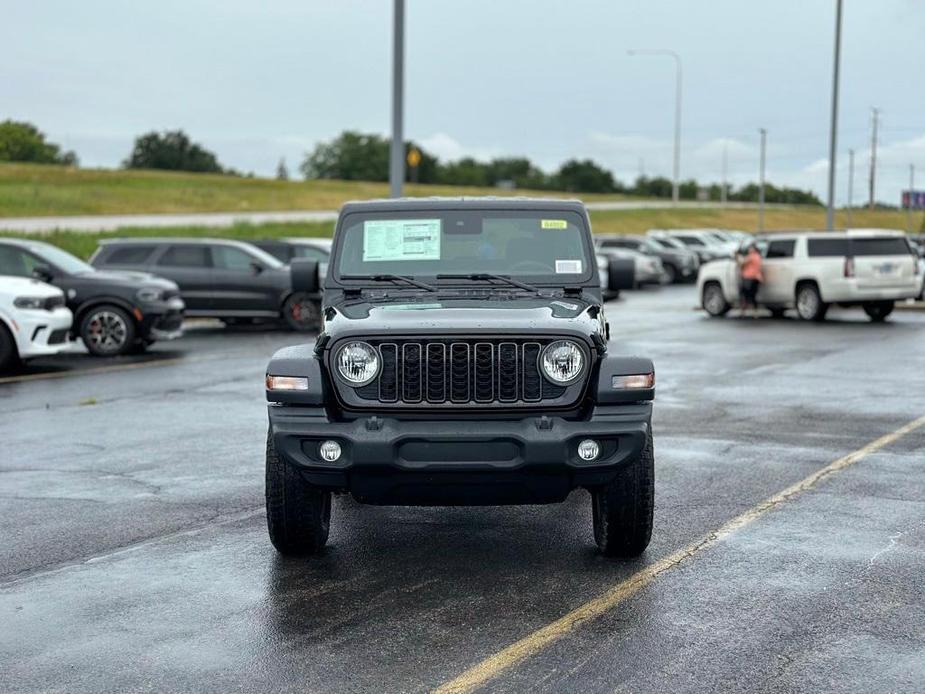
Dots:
pixel 833 126
pixel 397 148
pixel 677 113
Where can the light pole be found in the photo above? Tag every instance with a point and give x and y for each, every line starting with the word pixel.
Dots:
pixel 677 114
pixel 850 186
pixel 764 140
pixel 833 128
pixel 397 151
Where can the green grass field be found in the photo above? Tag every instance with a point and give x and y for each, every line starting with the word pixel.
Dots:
pixel 624 221
pixel 31 190
pixel 35 190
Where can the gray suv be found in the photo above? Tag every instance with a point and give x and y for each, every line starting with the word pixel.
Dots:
pixel 218 278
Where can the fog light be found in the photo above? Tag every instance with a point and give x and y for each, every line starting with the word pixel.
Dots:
pixel 588 449
pixel 329 450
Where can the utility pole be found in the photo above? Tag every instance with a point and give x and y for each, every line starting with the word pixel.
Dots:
pixel 764 139
pixel 397 151
pixel 677 114
pixel 911 196
pixel 873 157
pixel 723 191
pixel 850 186
pixel 833 128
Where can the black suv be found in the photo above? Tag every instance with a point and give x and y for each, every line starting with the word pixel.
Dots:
pixel 680 264
pixel 464 359
pixel 114 312
pixel 230 280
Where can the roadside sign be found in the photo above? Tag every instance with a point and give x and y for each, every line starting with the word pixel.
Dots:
pixel 414 157
pixel 915 197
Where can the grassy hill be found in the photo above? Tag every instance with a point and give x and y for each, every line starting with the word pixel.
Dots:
pixel 31 190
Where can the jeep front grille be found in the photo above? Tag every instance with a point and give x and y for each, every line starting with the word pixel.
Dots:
pixel 493 372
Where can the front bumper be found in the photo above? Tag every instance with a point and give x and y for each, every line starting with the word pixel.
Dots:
pixel 162 321
pixel 488 461
pixel 42 333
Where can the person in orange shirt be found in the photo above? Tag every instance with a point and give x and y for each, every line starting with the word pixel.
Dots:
pixel 752 277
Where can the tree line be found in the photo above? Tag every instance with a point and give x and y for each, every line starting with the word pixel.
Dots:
pixel 354 156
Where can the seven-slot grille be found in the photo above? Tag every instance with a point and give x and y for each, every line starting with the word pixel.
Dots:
pixel 497 372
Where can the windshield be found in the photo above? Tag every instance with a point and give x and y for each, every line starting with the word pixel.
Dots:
pixel 545 246
pixel 60 259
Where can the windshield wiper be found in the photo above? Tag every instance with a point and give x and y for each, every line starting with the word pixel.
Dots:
pixel 489 276
pixel 391 278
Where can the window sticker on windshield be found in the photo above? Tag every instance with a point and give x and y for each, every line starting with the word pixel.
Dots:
pixel 568 267
pixel 553 224
pixel 401 239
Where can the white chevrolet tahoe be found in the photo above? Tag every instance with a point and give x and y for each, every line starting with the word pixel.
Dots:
pixel 871 268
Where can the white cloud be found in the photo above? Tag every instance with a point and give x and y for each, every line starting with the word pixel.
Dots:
pixel 448 148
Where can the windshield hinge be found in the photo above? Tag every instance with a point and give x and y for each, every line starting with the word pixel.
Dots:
pixel 352 292
pixel 571 291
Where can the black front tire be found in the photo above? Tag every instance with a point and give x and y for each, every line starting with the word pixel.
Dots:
pixel 624 509
pixel 877 311
pixel 298 513
pixel 107 331
pixel 9 355
pixel 671 272
pixel 301 313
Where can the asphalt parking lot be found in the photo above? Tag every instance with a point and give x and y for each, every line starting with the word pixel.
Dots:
pixel 135 555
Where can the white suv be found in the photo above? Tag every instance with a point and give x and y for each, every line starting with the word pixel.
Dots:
pixel 33 320
pixel 872 268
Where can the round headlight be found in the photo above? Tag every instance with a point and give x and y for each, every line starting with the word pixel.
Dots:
pixel 562 362
pixel 357 363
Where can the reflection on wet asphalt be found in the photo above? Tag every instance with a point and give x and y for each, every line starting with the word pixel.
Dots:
pixel 136 558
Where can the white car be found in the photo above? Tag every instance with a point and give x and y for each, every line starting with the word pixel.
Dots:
pixel 34 320
pixel 649 268
pixel 703 242
pixel 871 268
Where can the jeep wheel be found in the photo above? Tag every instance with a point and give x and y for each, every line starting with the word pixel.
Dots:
pixel 623 509
pixel 713 300
pixel 9 355
pixel 298 513
pixel 809 303
pixel 107 331
pixel 877 311
pixel 301 313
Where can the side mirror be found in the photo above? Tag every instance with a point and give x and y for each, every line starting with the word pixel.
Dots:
pixel 621 274
pixel 256 268
pixel 43 273
pixel 304 274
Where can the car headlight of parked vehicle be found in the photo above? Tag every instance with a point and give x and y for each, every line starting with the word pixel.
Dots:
pixel 149 295
pixel 562 362
pixel 357 363
pixel 36 303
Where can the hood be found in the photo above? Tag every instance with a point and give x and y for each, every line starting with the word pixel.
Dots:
pixel 131 278
pixel 25 286
pixel 497 315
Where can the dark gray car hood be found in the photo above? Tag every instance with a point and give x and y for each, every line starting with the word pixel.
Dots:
pixel 443 316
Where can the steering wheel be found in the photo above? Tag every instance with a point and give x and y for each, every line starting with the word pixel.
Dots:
pixel 527 264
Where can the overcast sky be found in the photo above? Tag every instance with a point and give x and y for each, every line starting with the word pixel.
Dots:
pixel 256 81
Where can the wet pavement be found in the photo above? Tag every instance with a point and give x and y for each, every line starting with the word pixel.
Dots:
pixel 135 556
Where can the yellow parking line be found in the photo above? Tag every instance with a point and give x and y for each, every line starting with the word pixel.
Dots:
pixel 490 668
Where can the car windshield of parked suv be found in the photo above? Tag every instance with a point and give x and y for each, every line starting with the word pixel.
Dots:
pixel 60 259
pixel 547 246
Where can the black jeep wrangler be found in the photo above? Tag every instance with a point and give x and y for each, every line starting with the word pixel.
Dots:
pixel 463 359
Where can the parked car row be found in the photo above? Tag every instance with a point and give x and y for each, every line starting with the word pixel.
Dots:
pixel 811 271
pixel 134 292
